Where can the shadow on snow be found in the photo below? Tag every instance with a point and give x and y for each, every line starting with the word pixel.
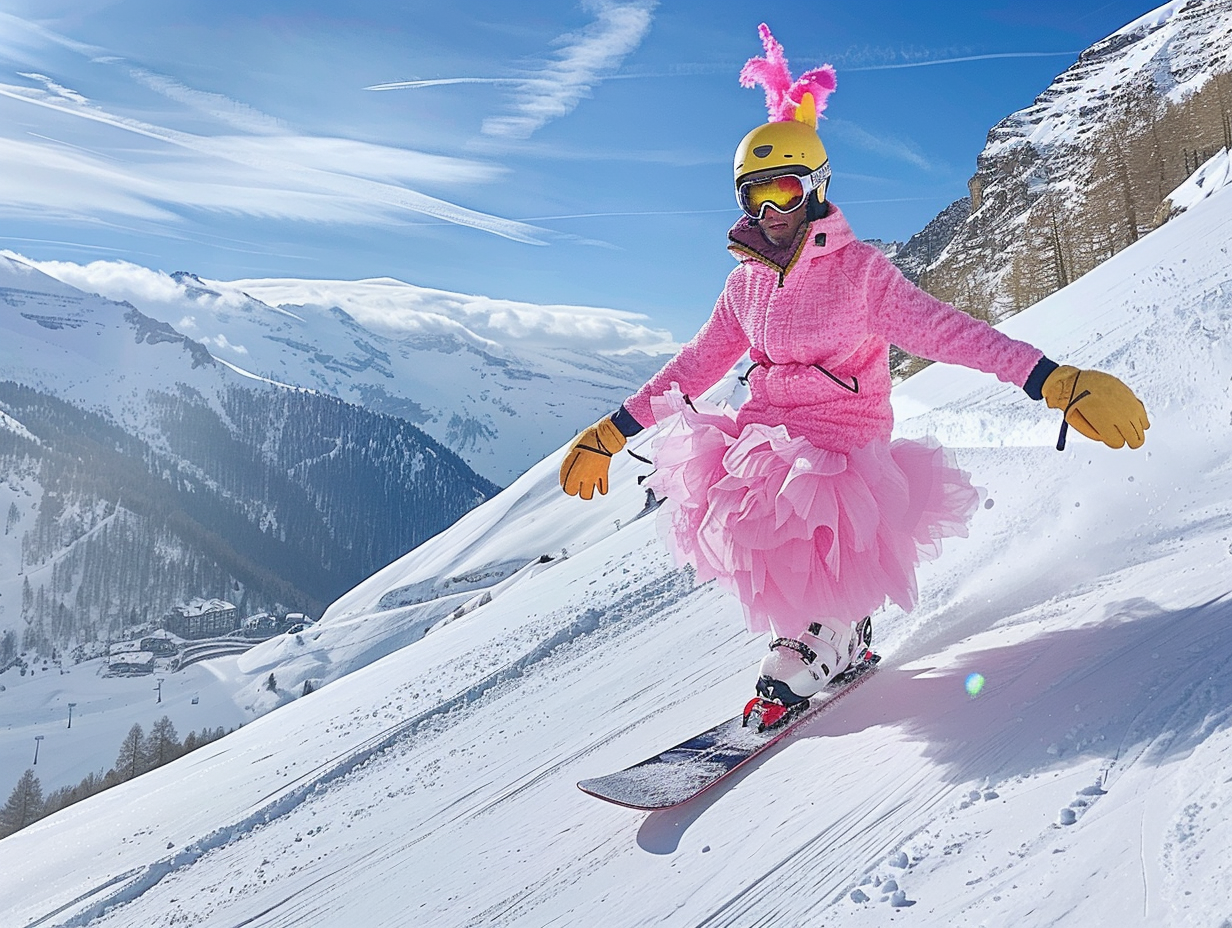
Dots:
pixel 1145 684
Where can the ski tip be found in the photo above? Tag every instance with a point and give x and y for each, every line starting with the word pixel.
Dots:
pixel 595 788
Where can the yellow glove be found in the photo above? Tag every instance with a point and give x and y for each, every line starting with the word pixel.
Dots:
pixel 1097 405
pixel 586 461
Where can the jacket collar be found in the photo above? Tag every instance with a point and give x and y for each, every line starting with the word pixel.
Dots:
pixel 816 239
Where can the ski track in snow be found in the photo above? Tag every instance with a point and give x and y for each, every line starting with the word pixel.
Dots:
pixel 642 604
pixel 872 831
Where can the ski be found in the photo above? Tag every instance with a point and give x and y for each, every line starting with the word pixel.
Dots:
pixel 690 768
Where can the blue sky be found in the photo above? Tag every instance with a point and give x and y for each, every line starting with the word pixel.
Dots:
pixel 555 152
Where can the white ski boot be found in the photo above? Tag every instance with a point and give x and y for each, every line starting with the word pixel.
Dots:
pixel 796 669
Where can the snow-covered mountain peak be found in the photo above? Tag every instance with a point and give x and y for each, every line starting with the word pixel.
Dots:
pixel 1173 50
pixel 18 275
pixel 497 381
pixel 82 346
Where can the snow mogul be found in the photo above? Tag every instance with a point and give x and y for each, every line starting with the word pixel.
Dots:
pixel 800 503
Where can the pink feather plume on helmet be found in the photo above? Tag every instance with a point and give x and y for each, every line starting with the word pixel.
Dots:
pixel 783 94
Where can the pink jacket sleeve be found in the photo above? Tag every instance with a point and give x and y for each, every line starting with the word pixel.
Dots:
pixel 929 328
pixel 698 365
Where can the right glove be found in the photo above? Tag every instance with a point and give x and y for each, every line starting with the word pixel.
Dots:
pixel 1098 405
pixel 586 462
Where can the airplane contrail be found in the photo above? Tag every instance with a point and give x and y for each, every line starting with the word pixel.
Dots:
pixel 925 64
pixel 445 81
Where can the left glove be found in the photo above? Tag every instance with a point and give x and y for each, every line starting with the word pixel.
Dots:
pixel 585 466
pixel 1098 405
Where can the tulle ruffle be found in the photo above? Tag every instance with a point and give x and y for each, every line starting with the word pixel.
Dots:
pixel 798 533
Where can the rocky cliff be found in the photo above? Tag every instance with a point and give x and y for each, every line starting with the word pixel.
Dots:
pixel 1086 169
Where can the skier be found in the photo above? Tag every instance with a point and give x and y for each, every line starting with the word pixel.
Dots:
pixel 800 503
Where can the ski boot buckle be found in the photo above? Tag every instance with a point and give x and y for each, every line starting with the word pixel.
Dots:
pixel 769 712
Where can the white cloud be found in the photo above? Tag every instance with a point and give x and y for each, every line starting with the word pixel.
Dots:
pixel 385 306
pixel 18 36
pixel 220 341
pixel 557 88
pixel 123 280
pixel 397 308
pixel 296 177
pixel 259 167
pixel 443 82
pixel 50 181
pixel 960 59
pixel 223 108
pixel 55 89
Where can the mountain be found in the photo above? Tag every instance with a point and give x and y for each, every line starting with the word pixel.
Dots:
pixel 140 473
pixel 1087 168
pixel 922 249
pixel 498 382
pixel 1085 784
pixel 914 257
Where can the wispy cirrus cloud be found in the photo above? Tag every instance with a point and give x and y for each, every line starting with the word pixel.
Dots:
pixel 887 146
pixel 558 85
pixel 556 89
pixel 215 105
pixel 240 160
pixel 444 82
pixel 264 170
pixel 18 36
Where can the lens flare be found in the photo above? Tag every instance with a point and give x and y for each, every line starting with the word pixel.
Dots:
pixel 974 684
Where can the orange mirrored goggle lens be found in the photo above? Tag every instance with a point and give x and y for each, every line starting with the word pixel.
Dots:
pixel 785 193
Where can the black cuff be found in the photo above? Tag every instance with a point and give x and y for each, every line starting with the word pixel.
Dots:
pixel 1035 380
pixel 623 420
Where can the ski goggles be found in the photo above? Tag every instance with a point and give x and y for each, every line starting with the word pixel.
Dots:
pixel 782 192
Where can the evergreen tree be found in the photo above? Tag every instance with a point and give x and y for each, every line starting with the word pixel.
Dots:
pixel 163 744
pixel 25 804
pixel 132 758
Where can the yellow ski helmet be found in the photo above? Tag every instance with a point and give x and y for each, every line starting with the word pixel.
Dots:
pixel 782 145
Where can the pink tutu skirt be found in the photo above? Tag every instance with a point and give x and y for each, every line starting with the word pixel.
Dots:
pixel 800 534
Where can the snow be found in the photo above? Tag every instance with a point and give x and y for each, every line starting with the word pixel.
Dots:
pixel 433 780
pixel 1215 174
pixel 10 424
pixel 105 708
pixel 1175 48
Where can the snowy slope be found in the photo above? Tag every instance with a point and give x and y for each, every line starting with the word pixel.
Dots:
pixel 1214 175
pixel 1086 784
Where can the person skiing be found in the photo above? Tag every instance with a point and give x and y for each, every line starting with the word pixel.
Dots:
pixel 800 503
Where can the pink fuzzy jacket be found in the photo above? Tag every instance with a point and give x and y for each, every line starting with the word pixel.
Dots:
pixel 838 306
